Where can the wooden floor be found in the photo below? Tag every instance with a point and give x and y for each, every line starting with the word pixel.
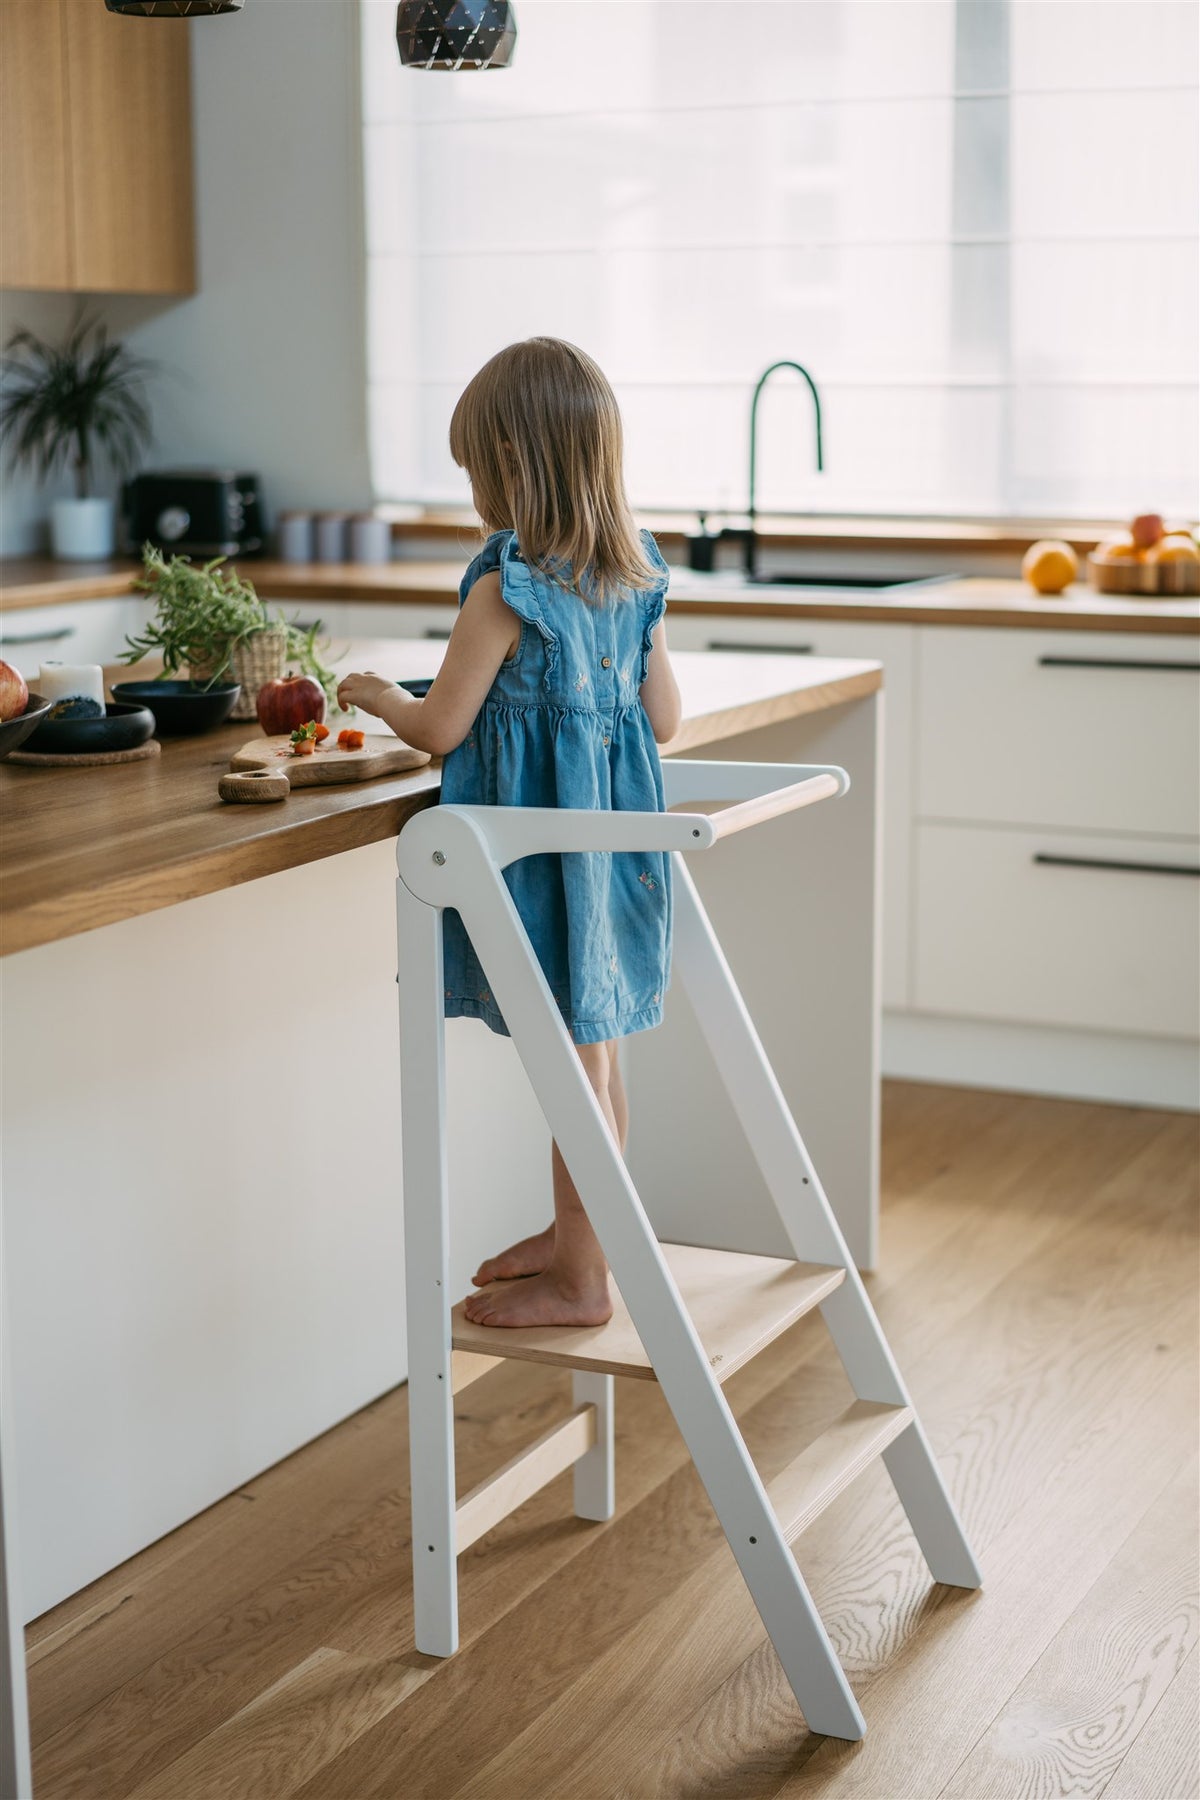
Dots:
pixel 1038 1285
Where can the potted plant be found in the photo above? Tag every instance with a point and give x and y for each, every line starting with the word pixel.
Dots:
pixel 209 621
pixel 70 404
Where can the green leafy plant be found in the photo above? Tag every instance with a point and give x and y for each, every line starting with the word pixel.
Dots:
pixel 67 403
pixel 203 613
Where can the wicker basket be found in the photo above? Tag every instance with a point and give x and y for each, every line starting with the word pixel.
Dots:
pixel 256 661
pixel 1151 580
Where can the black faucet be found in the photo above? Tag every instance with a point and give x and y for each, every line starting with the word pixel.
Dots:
pixel 749 537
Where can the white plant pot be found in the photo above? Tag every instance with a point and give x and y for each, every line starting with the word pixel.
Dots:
pixel 83 530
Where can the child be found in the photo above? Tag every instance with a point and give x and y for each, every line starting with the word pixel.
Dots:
pixel 556 690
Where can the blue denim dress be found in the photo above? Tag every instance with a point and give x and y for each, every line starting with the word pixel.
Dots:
pixel 564 725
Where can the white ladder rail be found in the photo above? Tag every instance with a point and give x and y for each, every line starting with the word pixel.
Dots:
pixel 454 856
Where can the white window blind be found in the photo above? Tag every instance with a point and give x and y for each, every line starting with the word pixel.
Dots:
pixel 974 221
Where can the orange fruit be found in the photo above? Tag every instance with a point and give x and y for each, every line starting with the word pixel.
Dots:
pixel 1049 566
pixel 1118 549
pixel 1177 548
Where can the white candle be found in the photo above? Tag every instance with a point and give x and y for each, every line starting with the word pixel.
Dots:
pixel 77 689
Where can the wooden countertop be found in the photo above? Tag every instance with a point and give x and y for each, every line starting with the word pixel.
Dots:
pixel 86 847
pixel 970 600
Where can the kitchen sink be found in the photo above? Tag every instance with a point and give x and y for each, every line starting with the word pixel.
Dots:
pixel 846 581
pixel 874 583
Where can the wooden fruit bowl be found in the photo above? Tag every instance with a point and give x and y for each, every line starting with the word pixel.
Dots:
pixel 1151 580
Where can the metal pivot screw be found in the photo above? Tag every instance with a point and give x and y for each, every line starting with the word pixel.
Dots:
pixel 439 857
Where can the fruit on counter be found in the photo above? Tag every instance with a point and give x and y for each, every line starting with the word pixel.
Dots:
pixel 1146 530
pixel 1049 566
pixel 1118 549
pixel 322 732
pixel 290 701
pixel 1177 547
pixel 14 694
pixel 350 740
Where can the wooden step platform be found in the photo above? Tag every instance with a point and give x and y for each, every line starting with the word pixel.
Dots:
pixel 800 1493
pixel 737 1303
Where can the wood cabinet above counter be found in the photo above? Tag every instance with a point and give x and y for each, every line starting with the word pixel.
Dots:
pixel 972 600
pixel 96 150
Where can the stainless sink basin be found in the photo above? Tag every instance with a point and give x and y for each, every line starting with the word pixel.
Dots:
pixel 888 582
pixel 812 582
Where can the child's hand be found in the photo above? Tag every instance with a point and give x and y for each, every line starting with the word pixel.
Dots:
pixel 364 691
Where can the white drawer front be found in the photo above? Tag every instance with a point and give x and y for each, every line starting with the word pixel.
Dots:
pixel 83 631
pixel 1002 936
pixel 892 645
pixel 387 619
pixel 1056 728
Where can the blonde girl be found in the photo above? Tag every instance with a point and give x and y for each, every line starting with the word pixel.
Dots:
pixel 556 690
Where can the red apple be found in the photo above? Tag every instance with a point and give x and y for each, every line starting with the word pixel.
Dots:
pixel 14 695
pixel 285 705
pixel 1146 530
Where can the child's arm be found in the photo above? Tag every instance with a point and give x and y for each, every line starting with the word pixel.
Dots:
pixel 660 690
pixel 486 633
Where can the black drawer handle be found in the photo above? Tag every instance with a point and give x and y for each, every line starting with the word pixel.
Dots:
pixel 37 637
pixel 759 649
pixel 1100 862
pixel 439 633
pixel 1114 662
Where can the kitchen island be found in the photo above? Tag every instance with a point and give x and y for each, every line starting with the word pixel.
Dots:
pixel 201 1138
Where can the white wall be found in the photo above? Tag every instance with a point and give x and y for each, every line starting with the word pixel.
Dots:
pixel 265 366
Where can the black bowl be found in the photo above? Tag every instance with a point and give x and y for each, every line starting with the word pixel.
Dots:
pixel 181 708
pixel 121 728
pixel 13 732
pixel 419 686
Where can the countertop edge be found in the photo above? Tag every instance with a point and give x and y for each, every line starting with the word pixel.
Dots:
pixel 29 924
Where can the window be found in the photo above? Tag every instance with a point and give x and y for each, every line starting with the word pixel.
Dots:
pixel 974 221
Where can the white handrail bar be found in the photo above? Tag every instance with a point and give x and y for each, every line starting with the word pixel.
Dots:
pixel 685 781
pixel 763 790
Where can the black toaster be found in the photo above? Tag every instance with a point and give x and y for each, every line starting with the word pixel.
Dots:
pixel 200 512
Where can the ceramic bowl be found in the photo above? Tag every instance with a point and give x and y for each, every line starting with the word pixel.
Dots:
pixel 181 708
pixel 123 727
pixel 13 732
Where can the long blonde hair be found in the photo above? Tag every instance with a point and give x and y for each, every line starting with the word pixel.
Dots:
pixel 538 431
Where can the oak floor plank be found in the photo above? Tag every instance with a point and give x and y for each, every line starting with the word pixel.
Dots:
pixel 1039 1241
pixel 1068 1726
pixel 1164 1761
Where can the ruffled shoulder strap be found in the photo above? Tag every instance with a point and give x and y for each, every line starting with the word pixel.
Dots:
pixel 487 559
pixel 652 600
pixel 518 587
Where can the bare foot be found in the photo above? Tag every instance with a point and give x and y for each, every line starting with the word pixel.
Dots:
pixel 545 1299
pixel 529 1257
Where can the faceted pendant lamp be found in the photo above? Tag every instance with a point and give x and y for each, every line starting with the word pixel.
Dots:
pixel 455 34
pixel 172 9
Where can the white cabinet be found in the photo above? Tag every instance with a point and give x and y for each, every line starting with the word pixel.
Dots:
pixel 1056 860
pixel 1042 841
pixel 892 645
pixel 382 619
pixel 1100 933
pixel 1091 731
pixel 84 631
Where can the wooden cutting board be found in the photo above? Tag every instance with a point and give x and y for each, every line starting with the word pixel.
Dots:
pixel 380 755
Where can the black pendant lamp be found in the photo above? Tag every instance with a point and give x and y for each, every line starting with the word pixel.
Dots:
pixel 455 34
pixel 172 9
